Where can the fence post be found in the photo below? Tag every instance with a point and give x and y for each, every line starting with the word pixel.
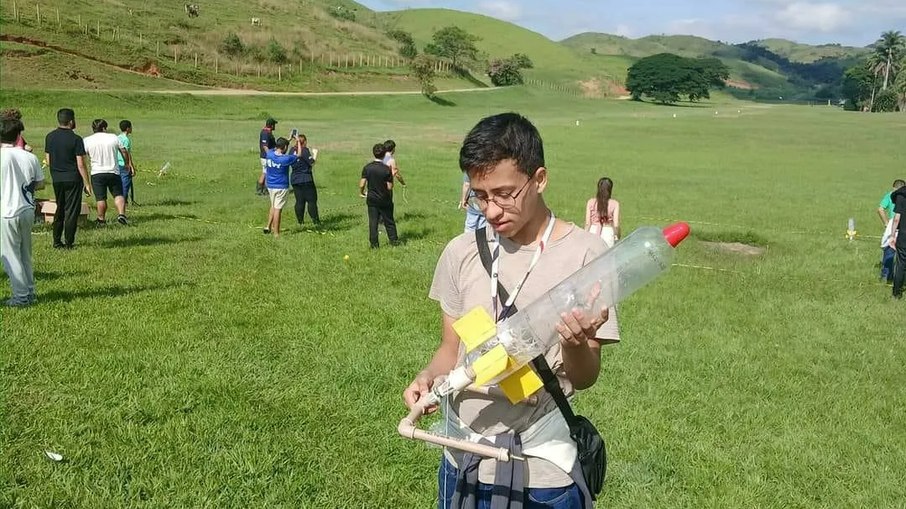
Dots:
pixel 158 49
pixel 196 60
pixel 176 54
pixel 140 39
pixel 99 29
pixel 279 73
pixel 346 61
pixel 15 11
pixel 38 16
pixel 59 25
pixel 216 64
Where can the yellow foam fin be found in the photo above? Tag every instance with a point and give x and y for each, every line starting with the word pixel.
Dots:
pixel 475 327
pixel 490 365
pixel 521 384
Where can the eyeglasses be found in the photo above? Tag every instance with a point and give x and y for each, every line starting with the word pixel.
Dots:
pixel 505 201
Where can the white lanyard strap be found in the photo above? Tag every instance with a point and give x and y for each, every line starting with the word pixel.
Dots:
pixel 495 269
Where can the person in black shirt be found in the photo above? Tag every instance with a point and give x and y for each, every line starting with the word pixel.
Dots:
pixel 378 180
pixel 266 141
pixel 898 240
pixel 303 183
pixel 65 152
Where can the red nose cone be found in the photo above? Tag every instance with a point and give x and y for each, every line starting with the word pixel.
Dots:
pixel 676 233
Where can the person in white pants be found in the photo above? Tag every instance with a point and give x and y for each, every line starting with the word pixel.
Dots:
pixel 20 176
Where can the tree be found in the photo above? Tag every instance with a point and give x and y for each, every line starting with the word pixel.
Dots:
pixel 423 69
pixel 523 61
pixel 275 52
pixel 232 45
pixel 899 85
pixel 454 43
pixel 857 86
pixel 506 72
pixel 890 48
pixel 667 77
pixel 407 44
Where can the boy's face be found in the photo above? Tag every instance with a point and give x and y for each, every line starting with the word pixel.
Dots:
pixel 508 215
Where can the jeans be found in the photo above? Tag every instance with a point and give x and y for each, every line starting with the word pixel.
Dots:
pixel 306 193
pixel 899 274
pixel 381 214
pixel 568 497
pixel 887 256
pixel 127 182
pixel 474 220
pixel 66 219
pixel 15 245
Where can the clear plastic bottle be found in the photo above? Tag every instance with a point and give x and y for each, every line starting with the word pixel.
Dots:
pixel 631 264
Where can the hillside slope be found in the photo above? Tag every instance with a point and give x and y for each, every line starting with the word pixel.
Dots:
pixel 805 53
pixel 553 62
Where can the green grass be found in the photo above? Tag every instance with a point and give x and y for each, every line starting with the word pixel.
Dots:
pixel 805 53
pixel 190 361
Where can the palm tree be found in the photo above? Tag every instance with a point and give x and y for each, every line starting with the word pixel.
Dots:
pixel 890 48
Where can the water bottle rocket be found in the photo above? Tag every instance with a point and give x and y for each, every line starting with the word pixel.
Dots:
pixel 498 355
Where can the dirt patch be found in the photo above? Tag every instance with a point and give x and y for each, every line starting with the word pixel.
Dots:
pixel 595 88
pixel 151 69
pixel 740 84
pixel 735 248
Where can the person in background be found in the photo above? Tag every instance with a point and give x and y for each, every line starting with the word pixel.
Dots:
pixel 303 182
pixel 20 177
pixel 126 173
pixel 266 141
pixel 277 181
pixel 474 218
pixel 390 160
pixel 13 113
pixel 898 241
pixel 886 213
pixel 376 186
pixel 102 148
pixel 64 151
pixel 602 213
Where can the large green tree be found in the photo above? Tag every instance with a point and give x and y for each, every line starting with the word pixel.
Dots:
pixel 454 43
pixel 666 77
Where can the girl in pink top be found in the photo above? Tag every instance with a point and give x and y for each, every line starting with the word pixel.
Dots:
pixel 602 213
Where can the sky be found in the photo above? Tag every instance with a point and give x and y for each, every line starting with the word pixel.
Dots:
pixel 848 22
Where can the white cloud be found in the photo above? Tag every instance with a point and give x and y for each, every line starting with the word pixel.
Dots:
pixel 501 9
pixel 824 17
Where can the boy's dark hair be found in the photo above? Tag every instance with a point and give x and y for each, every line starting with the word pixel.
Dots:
pixel 389 146
pixel 13 113
pixel 125 124
pixel 898 183
pixel 98 125
pixel 10 128
pixel 499 138
pixel 378 150
pixel 65 116
pixel 282 143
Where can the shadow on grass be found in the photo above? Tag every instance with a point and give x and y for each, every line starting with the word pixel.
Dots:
pixel 340 221
pixel 466 75
pixel 146 241
pixel 168 202
pixel 408 236
pixel 157 216
pixel 440 101
pixel 112 291
pixel 53 276
pixel 410 216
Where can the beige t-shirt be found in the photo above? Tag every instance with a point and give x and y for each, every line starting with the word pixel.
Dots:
pixel 461 284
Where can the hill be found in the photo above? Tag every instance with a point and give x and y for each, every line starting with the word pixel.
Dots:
pixel 554 62
pixel 294 45
pixel 805 53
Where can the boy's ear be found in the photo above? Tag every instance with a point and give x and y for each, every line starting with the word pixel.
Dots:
pixel 541 179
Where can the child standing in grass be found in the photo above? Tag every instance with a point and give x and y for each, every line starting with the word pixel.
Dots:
pixel 126 172
pixel 276 178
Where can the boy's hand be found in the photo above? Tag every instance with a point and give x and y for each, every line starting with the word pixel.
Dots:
pixel 87 190
pixel 576 329
pixel 419 387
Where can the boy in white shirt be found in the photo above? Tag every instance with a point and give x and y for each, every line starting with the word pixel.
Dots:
pixel 20 176
pixel 102 148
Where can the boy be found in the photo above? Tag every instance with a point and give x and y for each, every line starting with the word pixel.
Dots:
pixel 276 178
pixel 390 160
pixel 102 148
pixel 898 240
pixel 64 151
pixel 378 180
pixel 266 142
pixel 20 176
pixel 474 219
pixel 126 174
pixel 885 212
pixel 504 158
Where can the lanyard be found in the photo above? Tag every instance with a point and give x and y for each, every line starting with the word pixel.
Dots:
pixel 495 270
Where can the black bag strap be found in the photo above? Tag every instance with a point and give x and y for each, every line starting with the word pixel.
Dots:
pixel 539 363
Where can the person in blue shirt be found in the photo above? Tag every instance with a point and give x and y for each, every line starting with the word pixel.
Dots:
pixel 276 178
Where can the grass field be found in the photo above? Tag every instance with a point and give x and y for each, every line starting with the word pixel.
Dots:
pixel 190 361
